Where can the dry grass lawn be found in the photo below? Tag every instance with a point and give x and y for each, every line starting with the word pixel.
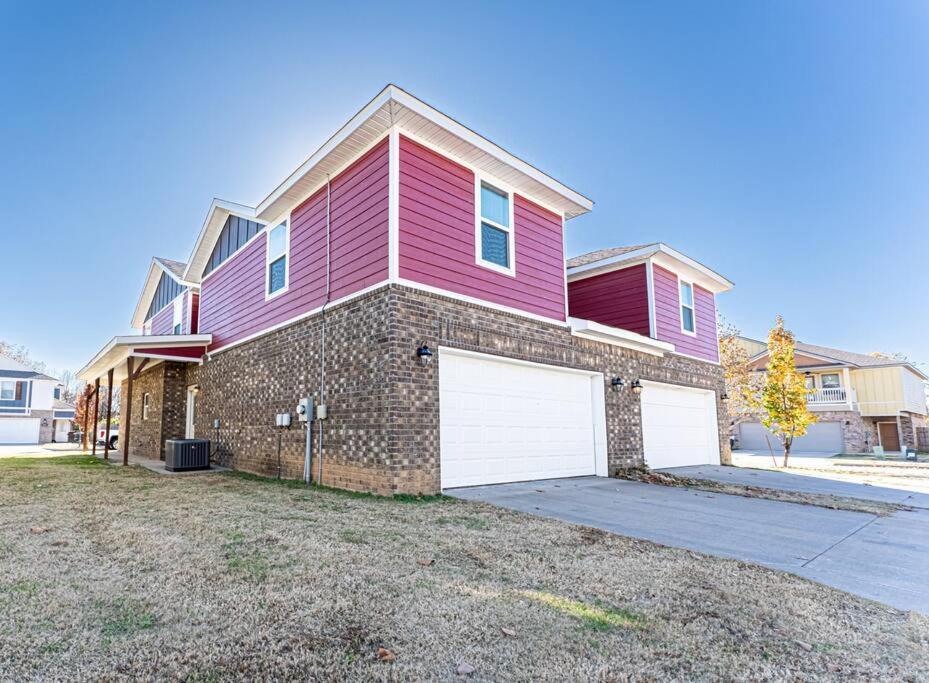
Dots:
pixel 112 573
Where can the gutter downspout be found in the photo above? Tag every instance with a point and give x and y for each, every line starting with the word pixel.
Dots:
pixel 322 336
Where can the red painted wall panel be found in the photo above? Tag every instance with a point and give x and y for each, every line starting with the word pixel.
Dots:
pixel 195 313
pixel 668 317
pixel 437 246
pixel 162 322
pixel 618 298
pixel 232 302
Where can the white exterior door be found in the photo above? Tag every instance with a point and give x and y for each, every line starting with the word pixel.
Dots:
pixel 62 427
pixel 679 426
pixel 19 430
pixel 504 421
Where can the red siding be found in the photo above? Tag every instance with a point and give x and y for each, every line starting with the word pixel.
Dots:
pixel 195 313
pixel 177 352
pixel 437 238
pixel 162 322
pixel 618 298
pixel 668 317
pixel 232 300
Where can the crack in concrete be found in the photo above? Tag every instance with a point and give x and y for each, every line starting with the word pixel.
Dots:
pixel 842 540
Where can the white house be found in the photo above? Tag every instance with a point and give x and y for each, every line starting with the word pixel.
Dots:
pixel 31 409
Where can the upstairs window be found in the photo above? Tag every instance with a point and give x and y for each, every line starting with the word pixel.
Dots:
pixel 830 381
pixel 57 393
pixel 278 246
pixel 178 315
pixel 8 391
pixel 688 320
pixel 494 236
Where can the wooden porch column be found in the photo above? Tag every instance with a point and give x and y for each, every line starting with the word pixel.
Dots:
pixel 109 409
pixel 96 410
pixel 86 413
pixel 128 411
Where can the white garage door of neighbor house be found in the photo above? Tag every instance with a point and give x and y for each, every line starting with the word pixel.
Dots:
pixel 822 437
pixel 679 426
pixel 19 430
pixel 504 421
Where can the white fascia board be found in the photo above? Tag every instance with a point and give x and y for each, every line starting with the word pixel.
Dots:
pixel 619 337
pixel 127 342
pixel 663 255
pixel 412 103
pixel 148 290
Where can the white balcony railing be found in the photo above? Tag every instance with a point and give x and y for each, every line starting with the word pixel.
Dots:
pixel 818 396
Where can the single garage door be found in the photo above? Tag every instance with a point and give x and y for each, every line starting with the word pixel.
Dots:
pixel 19 430
pixel 822 437
pixel 504 421
pixel 679 426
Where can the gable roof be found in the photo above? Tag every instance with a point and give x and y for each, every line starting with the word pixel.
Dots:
pixel 174 269
pixel 852 358
pixel 601 254
pixel 25 374
pixel 615 258
pixel 392 107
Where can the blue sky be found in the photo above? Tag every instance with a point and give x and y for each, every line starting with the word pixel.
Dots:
pixel 784 144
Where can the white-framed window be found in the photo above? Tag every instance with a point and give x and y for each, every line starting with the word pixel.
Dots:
pixel 688 312
pixel 146 402
pixel 147 327
pixel 810 382
pixel 8 391
pixel 276 264
pixel 830 380
pixel 493 227
pixel 178 315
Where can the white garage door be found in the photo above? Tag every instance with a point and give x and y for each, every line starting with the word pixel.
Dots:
pixel 19 430
pixel 503 421
pixel 822 437
pixel 679 426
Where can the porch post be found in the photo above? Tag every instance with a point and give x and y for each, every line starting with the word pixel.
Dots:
pixel 86 413
pixel 128 411
pixel 109 409
pixel 847 381
pixel 96 410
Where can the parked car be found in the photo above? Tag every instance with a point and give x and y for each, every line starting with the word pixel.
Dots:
pixel 101 436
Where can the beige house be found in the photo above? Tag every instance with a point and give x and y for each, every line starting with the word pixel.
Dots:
pixel 862 401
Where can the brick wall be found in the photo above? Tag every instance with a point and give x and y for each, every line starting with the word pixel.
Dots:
pixel 166 385
pixel 382 433
pixel 245 386
pixel 414 407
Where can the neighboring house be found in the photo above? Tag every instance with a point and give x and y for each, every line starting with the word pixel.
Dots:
pixel 861 401
pixel 31 409
pixel 408 238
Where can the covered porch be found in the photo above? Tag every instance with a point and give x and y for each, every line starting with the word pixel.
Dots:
pixel 122 362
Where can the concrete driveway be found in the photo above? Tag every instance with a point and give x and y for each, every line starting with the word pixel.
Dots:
pixel 882 558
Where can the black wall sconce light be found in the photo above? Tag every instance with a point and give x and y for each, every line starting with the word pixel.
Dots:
pixel 424 353
pixel 617 383
pixel 724 398
pixel 636 387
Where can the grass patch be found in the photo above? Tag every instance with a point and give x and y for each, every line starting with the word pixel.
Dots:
pixel 466 521
pixel 23 586
pixel 82 462
pixel 124 617
pixel 594 617
pixel 343 493
pixel 352 536
pixel 244 559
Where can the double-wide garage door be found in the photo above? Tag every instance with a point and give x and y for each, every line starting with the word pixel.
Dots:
pixel 822 437
pixel 17 430
pixel 679 426
pixel 505 421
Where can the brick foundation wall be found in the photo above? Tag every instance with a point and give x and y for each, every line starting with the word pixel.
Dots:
pixel 245 386
pixel 166 385
pixel 441 321
pixel 382 432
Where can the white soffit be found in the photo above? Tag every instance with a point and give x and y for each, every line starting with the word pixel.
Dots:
pixel 618 337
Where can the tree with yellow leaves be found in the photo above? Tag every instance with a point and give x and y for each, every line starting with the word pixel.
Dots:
pixel 784 395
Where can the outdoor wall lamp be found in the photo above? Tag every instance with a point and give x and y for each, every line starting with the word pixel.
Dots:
pixel 617 383
pixel 636 387
pixel 425 354
pixel 724 398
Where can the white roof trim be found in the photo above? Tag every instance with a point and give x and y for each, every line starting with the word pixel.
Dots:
pixel 619 337
pixel 661 254
pixel 119 348
pixel 148 291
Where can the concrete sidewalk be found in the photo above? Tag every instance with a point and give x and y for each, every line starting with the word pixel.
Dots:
pixel 885 559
